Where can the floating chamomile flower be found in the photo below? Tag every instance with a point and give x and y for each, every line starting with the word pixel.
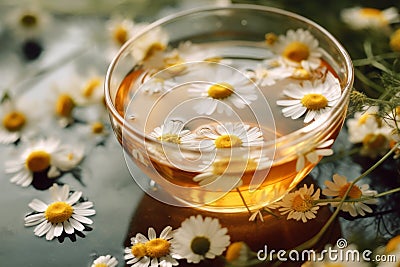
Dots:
pixel 173 132
pixel 151 250
pixel 223 90
pixel 27 22
pixel 198 239
pixel 224 174
pixel 299 48
pixel 364 17
pixel 311 98
pixel 263 76
pixel 338 188
pixel 17 118
pixel 313 155
pixel 228 135
pixel 43 156
pixel 105 261
pixel 300 205
pixel 64 214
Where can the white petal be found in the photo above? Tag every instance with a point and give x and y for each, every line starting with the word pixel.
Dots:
pixel 58 229
pixel 82 219
pixel 42 228
pixel 50 233
pixel 68 227
pixel 77 225
pixel 74 197
pixel 84 212
pixel 38 205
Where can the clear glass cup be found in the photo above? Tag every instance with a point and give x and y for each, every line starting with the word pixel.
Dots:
pixel 182 72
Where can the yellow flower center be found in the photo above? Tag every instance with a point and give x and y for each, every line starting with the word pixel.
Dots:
pixel 374 141
pixel 393 244
pixel 354 193
pixel 171 138
pixel 270 38
pixel 120 34
pixel 138 250
pixel 14 121
pixel 395 41
pixel 38 160
pixel 90 87
pixel 220 90
pixel 314 101
pixel 157 248
pixel 233 251
pixel 97 127
pixel 302 203
pixel 364 117
pixel 301 74
pixel 64 105
pixel 200 245
pixel 176 62
pixel 153 48
pixel 100 265
pixel 371 12
pixel 28 20
pixel 296 51
pixel 58 212
pixel 227 141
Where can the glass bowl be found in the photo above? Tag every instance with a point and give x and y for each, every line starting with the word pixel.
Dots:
pixel 227 109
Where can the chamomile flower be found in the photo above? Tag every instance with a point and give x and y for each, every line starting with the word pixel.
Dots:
pixel 172 131
pixel 120 29
pixel 89 91
pixel 46 155
pixel 313 155
pixel 338 188
pixel 311 98
pixel 300 205
pixel 105 261
pixel 228 134
pixel 224 174
pixel 66 213
pixel 150 43
pixel 263 76
pixel 27 22
pixel 364 17
pixel 17 118
pixel 223 90
pixel 197 239
pixel 298 48
pixel 151 250
pixel 238 253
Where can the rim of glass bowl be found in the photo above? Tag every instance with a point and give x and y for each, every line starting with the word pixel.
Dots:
pixel 288 140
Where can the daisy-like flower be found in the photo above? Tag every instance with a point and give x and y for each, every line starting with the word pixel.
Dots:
pixel 89 91
pixel 64 214
pixel 364 17
pixel 224 174
pixel 238 253
pixel 120 29
pixel 28 21
pixel 338 188
pixel 17 117
pixel 198 239
pixel 155 85
pixel 149 44
pixel 300 205
pixel 43 156
pixel 264 76
pixel 151 250
pixel 105 261
pixel 314 154
pixel 298 48
pixel 229 135
pixel 311 98
pixel 223 90
pixel 172 131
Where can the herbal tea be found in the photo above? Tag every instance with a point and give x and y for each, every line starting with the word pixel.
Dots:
pixel 214 116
